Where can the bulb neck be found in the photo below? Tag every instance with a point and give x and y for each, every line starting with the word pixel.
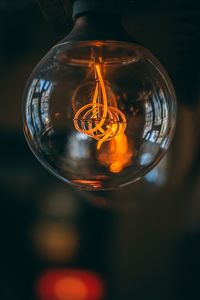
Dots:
pixel 98 25
pixel 80 7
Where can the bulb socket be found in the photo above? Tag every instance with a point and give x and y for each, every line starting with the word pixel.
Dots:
pixel 81 7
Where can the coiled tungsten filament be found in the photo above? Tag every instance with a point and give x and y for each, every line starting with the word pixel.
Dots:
pixel 97 119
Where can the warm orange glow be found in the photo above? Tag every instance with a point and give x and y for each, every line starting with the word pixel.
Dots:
pixel 92 183
pixel 71 288
pixel 97 119
pixel 69 284
pixel 55 242
pixel 118 155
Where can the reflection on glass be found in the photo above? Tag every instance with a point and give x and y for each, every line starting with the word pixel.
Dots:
pixel 38 109
pixel 158 175
pixel 156 118
pixel 78 147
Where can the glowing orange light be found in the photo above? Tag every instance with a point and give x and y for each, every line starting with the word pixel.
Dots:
pixel 71 288
pixel 92 183
pixel 97 119
pixel 103 121
pixel 66 284
pixel 118 155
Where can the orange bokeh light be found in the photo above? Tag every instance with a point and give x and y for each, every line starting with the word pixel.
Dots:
pixel 71 288
pixel 69 284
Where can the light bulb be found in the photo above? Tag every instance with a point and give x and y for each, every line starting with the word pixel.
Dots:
pixel 99 109
pixel 99 114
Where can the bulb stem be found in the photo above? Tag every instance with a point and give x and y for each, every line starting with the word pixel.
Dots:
pixel 80 7
pixel 98 26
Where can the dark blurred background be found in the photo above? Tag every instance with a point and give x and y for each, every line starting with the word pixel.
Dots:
pixel 141 242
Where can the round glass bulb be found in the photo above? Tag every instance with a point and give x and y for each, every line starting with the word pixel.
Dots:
pixel 99 114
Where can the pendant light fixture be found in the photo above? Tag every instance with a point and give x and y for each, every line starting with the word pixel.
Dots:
pixel 99 109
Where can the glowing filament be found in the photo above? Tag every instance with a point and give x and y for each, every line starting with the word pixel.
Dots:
pixel 97 119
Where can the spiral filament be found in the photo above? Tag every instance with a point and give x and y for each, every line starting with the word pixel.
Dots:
pixel 97 119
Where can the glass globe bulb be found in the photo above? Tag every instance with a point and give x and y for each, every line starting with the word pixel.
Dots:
pixel 99 114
